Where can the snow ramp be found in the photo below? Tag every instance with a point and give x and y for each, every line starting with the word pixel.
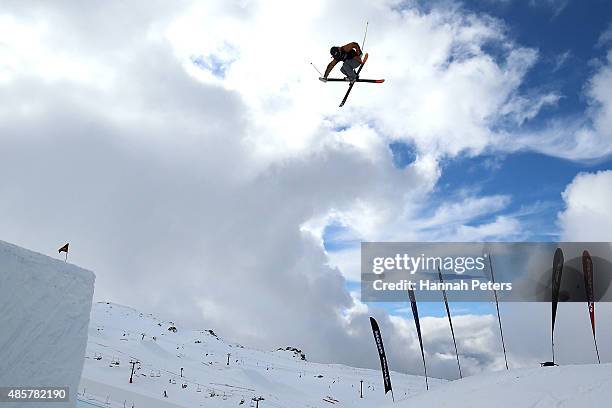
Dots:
pixel 541 387
pixel 45 305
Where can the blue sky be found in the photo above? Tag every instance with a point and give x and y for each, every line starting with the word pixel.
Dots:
pixel 566 35
pixel 565 32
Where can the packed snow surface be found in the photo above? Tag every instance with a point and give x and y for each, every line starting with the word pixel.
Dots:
pixel 45 306
pixel 119 335
pixel 538 387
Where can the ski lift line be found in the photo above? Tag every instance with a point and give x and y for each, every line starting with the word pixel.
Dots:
pixel 116 350
pixel 215 389
pixel 218 390
pixel 173 374
pixel 170 373
pixel 233 386
pixel 190 381
pixel 249 363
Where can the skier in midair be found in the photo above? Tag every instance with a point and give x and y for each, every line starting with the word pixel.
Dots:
pixel 350 56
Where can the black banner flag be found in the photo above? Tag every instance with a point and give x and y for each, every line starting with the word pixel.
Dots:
pixel 417 323
pixel 450 321
pixel 557 271
pixel 383 357
pixel 587 270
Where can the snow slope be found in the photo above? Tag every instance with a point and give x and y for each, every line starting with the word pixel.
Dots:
pixel 282 378
pixel 44 315
pixel 541 387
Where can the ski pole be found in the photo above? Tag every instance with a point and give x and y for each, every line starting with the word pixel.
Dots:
pixel 364 36
pixel 313 65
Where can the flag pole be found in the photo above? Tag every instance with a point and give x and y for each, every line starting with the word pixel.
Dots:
pixel 501 332
pixel 415 314
pixel 425 368
pixel 64 249
pixel 552 344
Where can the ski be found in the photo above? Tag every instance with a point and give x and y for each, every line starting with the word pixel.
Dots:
pixel 365 58
pixel 369 81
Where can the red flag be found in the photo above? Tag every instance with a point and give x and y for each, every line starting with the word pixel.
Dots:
pixel 63 249
pixel 587 270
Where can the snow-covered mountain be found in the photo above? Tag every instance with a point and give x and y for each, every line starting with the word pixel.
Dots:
pixel 119 335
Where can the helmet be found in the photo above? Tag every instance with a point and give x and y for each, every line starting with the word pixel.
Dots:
pixel 334 51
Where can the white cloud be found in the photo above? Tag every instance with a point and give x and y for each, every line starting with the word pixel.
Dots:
pixel 458 219
pixel 522 109
pixel 601 100
pixel 462 212
pixel 588 199
pixel 557 6
pixel 561 60
pixel 477 342
pixel 348 261
pixel 606 37
pixel 585 137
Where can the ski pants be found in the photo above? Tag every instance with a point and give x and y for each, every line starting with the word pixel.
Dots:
pixel 348 68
